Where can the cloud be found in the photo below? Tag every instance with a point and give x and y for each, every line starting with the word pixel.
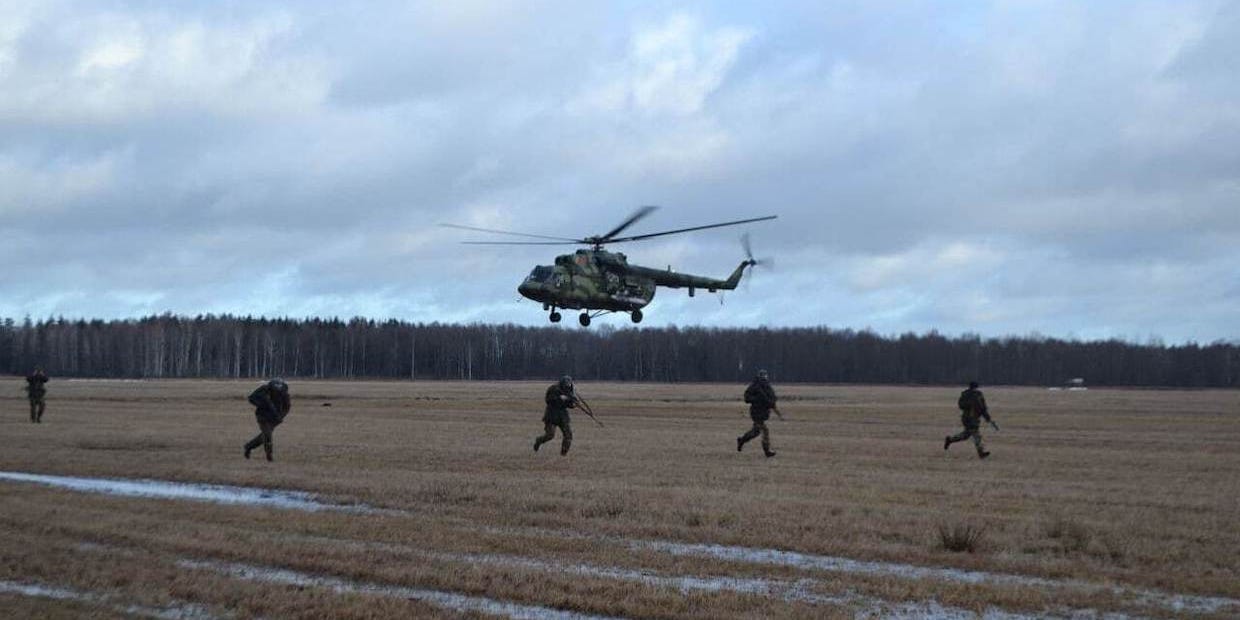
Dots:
pixel 995 168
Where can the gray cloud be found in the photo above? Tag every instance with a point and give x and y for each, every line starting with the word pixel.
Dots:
pixel 1054 167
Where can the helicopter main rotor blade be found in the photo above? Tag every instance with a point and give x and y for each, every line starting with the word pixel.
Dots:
pixel 684 230
pixel 637 215
pixel 521 243
pixel 509 232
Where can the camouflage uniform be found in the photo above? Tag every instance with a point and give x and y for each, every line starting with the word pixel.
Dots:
pixel 560 399
pixel 272 404
pixel 35 391
pixel 972 410
pixel 761 398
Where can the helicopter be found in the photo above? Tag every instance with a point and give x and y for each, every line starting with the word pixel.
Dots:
pixel 598 282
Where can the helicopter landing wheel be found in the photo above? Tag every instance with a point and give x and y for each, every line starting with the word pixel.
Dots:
pixel 636 315
pixel 584 319
pixel 555 317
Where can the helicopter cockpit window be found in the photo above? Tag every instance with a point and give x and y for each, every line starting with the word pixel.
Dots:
pixel 541 273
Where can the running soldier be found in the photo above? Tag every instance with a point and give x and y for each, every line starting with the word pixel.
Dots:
pixel 560 398
pixel 972 410
pixel 35 390
pixel 761 398
pixel 272 404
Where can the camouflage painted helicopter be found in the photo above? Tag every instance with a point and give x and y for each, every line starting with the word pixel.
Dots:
pixel 598 282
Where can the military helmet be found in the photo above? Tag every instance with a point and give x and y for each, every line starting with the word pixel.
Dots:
pixel 762 374
pixel 566 381
pixel 972 385
pixel 278 383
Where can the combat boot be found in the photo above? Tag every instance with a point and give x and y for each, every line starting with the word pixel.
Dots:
pixel 769 453
pixel 982 455
pixel 740 443
pixel 247 453
pixel 947 442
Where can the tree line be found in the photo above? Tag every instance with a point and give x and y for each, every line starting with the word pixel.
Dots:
pixel 227 346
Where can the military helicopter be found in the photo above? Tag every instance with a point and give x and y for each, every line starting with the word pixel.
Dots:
pixel 599 282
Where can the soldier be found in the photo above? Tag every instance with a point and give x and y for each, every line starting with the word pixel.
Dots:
pixel 560 398
pixel 35 391
pixel 272 403
pixel 761 398
pixel 972 409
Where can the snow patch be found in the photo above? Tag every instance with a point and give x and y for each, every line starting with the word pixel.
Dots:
pixel 447 600
pixel 213 493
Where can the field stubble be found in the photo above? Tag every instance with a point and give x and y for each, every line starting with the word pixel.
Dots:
pixel 1109 487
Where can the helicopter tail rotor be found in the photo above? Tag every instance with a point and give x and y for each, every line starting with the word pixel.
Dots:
pixel 753 262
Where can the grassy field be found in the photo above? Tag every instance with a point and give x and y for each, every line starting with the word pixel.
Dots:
pixel 1093 502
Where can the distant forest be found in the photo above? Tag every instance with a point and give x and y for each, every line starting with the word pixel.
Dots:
pixel 245 347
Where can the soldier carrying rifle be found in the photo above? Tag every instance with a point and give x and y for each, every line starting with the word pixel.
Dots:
pixel 972 410
pixel 761 398
pixel 560 398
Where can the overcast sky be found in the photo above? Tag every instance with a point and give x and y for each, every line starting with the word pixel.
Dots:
pixel 1065 168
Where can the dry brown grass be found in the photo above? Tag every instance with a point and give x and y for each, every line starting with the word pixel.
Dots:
pixel 961 537
pixel 1133 487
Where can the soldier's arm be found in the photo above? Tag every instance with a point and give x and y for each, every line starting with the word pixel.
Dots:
pixel 261 399
pixel 552 396
pixel 982 408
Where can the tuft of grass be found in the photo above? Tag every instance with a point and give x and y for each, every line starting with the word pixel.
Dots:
pixel 608 508
pixel 961 537
pixel 1070 533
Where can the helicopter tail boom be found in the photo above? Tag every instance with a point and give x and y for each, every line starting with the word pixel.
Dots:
pixel 672 279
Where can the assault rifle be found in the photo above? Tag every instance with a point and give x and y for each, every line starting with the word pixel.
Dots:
pixel 584 406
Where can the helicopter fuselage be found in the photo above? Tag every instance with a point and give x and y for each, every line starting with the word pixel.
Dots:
pixel 604 281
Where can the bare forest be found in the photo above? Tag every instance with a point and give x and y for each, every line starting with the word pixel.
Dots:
pixel 246 347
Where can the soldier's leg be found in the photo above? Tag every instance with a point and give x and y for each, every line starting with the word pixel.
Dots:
pixel 255 442
pixel 977 443
pixel 33 405
pixel 753 432
pixel 266 430
pixel 961 436
pixel 548 435
pixel 567 431
pixel 766 441
pixel 42 406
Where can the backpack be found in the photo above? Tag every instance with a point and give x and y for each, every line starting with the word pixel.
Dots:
pixel 966 401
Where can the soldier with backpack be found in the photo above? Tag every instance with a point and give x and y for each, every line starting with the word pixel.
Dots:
pixel 761 398
pixel 973 409
pixel 560 397
pixel 36 390
pixel 271 404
